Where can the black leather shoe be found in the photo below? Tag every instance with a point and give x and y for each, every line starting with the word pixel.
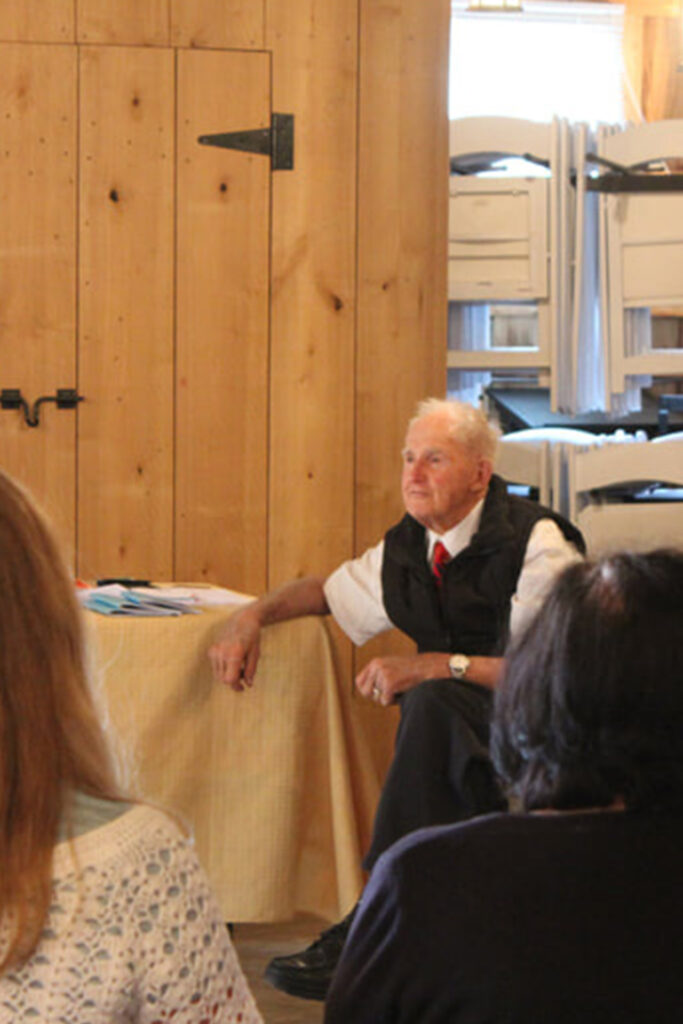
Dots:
pixel 308 974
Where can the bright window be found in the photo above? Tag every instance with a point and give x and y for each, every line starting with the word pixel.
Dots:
pixel 561 59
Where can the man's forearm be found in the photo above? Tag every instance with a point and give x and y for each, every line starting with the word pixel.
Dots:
pixel 290 601
pixel 483 670
pixel 235 654
pixel 382 679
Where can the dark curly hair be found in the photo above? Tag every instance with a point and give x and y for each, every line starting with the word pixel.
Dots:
pixel 590 708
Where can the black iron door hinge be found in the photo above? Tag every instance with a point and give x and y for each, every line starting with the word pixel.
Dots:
pixel 277 142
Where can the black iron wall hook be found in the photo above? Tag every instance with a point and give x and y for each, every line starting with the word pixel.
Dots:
pixel 12 398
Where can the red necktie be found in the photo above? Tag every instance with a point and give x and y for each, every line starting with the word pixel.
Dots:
pixel 439 559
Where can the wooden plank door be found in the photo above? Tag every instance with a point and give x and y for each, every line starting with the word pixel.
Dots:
pixel 38 163
pixel 126 314
pixel 223 204
pixel 135 267
pixel 174 241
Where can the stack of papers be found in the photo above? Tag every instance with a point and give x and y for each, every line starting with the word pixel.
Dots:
pixel 115 599
pixel 156 599
pixel 198 593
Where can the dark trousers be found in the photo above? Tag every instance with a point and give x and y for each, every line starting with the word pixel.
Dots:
pixel 441 772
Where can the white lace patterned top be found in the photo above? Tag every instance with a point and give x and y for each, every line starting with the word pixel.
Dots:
pixel 133 935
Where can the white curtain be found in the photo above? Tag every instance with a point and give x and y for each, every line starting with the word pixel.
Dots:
pixel 591 367
pixel 589 373
pixel 589 338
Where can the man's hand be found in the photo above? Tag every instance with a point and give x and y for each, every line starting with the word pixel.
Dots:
pixel 383 678
pixel 235 654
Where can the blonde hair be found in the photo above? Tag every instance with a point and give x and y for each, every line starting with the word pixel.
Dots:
pixel 465 424
pixel 51 741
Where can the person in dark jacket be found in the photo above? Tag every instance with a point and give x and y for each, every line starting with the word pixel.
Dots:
pixel 465 569
pixel 570 909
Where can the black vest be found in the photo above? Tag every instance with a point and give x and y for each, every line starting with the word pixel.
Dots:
pixel 471 611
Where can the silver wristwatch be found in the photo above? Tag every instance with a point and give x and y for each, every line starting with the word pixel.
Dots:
pixel 458 664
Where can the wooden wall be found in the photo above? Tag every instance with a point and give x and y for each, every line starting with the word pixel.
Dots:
pixel 653 51
pixel 249 345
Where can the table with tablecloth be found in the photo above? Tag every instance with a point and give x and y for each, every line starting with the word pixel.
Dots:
pixel 276 783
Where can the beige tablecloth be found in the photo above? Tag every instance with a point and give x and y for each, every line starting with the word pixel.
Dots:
pixel 276 782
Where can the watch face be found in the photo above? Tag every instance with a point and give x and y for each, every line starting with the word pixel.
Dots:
pixel 458 665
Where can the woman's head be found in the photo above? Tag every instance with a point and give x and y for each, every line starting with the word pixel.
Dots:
pixel 590 708
pixel 51 742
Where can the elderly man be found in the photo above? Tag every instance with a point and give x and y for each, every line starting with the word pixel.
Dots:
pixel 466 567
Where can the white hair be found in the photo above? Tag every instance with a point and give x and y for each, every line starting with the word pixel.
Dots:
pixel 464 423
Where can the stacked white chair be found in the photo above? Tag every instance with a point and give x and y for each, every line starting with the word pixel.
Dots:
pixel 641 251
pixel 558 441
pixel 605 484
pixel 509 238
pixel 526 463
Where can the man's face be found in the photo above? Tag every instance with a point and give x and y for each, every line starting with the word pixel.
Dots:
pixel 442 480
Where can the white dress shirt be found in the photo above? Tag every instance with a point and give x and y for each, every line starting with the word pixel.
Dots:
pixel 354 590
